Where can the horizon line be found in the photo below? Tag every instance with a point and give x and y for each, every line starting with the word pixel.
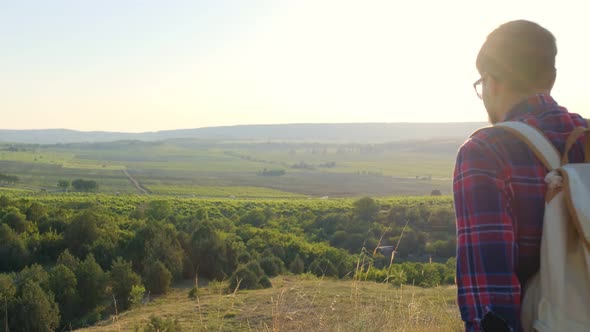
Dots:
pixel 241 125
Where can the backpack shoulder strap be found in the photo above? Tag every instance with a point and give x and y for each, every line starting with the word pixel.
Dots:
pixel 536 141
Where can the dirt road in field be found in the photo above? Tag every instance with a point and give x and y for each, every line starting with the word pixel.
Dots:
pixel 141 189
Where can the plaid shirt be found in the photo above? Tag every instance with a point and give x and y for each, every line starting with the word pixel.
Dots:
pixel 499 193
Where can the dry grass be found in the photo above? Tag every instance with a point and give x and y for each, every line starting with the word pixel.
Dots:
pixel 302 303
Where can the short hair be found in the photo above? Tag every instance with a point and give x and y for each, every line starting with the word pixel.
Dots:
pixel 522 53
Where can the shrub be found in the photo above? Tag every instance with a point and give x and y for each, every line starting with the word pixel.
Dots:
pixel 297 266
pixel 136 295
pixel 430 276
pixel 244 257
pixel 413 272
pixel 157 324
pixel 217 287
pixel 122 281
pixel 323 267
pixel 264 282
pixel 396 275
pixel 272 266
pixel 244 278
pixel 194 293
pixel 157 278
pixel 247 276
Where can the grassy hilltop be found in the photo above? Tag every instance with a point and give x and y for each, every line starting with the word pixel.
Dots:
pixel 299 303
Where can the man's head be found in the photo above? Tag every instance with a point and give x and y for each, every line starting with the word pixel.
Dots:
pixel 516 60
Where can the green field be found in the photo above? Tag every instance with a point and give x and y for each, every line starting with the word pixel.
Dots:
pixel 218 191
pixel 218 169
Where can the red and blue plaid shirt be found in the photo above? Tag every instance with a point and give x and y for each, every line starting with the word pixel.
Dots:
pixel 499 193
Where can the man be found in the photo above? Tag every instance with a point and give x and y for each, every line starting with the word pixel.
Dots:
pixel 498 184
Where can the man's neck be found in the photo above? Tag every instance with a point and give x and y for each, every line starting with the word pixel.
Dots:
pixel 515 99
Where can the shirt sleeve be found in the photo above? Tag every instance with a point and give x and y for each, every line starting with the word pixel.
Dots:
pixel 486 248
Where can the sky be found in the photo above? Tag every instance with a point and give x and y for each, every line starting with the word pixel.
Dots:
pixel 136 66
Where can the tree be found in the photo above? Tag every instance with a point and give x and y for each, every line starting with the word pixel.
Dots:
pixel 92 282
pixel 105 248
pixel 7 296
pixel 35 273
pixel 188 269
pixel 85 185
pixel 207 251
pixel 442 218
pixel 352 242
pixel 272 172
pixel 47 246
pixel 4 201
pixel 16 220
pixel 157 278
pixel 412 242
pixel 255 217
pixel 82 232
pixel 326 224
pixel 35 310
pixel 36 211
pixel 69 260
pixel 63 284
pixel 156 241
pixel 63 184
pixel 122 281
pixel 442 248
pixel 366 209
pixel 158 209
pixel 13 252
pixel 397 214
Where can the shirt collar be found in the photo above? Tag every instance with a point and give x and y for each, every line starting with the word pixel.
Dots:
pixel 535 104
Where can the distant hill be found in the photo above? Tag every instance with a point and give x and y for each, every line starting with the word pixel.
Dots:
pixel 337 132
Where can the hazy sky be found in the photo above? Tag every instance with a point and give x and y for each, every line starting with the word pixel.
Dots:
pixel 123 65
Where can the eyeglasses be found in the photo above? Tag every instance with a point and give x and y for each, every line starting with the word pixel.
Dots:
pixel 478 87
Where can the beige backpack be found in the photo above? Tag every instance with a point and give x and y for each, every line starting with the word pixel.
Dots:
pixel 557 298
